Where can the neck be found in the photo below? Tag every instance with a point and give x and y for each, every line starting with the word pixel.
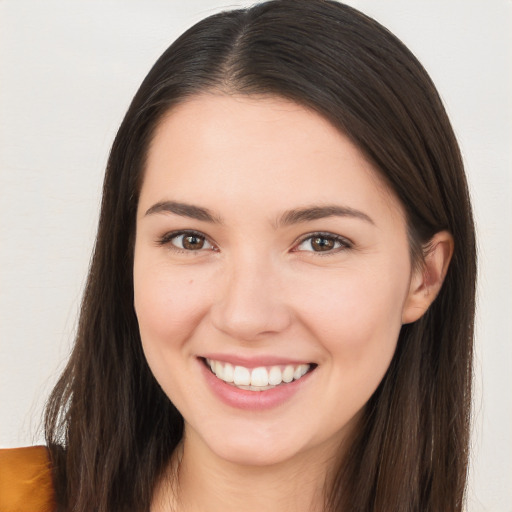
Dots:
pixel 199 481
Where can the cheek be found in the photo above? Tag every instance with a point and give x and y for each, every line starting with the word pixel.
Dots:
pixel 357 320
pixel 168 305
pixel 357 315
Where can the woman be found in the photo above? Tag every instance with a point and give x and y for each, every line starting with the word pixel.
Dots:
pixel 279 312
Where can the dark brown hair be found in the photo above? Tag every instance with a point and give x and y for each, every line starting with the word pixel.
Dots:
pixel 110 428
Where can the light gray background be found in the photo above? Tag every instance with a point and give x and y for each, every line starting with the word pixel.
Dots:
pixel 68 69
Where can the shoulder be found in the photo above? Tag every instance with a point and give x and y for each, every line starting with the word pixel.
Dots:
pixel 26 480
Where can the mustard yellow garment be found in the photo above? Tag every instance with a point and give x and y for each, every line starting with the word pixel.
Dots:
pixel 25 480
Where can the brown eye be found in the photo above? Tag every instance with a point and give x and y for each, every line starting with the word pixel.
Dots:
pixel 193 242
pixel 190 241
pixel 323 243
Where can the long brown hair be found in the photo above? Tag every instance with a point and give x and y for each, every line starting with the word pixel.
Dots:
pixel 110 428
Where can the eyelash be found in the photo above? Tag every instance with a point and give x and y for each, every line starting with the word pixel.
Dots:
pixel 167 239
pixel 342 242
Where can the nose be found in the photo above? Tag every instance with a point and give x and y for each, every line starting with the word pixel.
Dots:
pixel 250 303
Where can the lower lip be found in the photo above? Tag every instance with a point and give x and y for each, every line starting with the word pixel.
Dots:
pixel 253 400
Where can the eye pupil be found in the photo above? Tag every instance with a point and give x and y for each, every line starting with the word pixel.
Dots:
pixel 193 242
pixel 321 243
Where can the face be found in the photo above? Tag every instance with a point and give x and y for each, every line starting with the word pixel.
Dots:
pixel 271 276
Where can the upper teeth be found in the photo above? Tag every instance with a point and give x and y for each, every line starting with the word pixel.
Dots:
pixel 260 377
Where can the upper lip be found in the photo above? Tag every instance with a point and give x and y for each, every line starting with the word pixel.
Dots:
pixel 255 361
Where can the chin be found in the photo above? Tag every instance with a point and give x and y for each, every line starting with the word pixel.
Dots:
pixel 256 443
pixel 246 451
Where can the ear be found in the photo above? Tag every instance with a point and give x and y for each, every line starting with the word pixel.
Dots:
pixel 427 279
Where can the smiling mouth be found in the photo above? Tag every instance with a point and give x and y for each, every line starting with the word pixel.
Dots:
pixel 261 378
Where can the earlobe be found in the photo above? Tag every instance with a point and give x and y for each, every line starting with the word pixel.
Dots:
pixel 427 280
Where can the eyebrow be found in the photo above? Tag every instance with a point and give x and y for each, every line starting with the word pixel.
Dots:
pixel 294 216
pixel 184 210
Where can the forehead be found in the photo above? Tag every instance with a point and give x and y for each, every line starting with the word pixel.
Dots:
pixel 240 149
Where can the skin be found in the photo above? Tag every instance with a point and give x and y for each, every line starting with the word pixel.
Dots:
pixel 258 287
